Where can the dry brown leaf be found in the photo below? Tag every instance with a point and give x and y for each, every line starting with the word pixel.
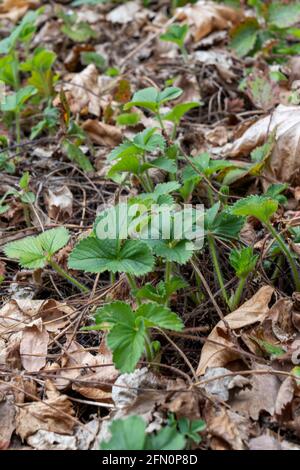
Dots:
pixel 230 427
pixel 285 395
pixel 252 311
pixel 59 202
pixel 7 422
pixel 261 397
pixel 13 10
pixel 101 133
pixel 284 161
pixel 84 92
pixel 49 415
pixel 124 13
pixel 34 346
pixel 220 388
pixel 205 17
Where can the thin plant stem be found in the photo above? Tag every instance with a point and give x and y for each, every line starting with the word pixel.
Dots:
pixel 168 274
pixel 235 300
pixel 285 250
pixel 67 276
pixel 215 260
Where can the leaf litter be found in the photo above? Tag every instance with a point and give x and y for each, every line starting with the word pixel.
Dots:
pixel 157 104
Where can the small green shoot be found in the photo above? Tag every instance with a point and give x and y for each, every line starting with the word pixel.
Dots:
pixel 243 262
pixel 176 34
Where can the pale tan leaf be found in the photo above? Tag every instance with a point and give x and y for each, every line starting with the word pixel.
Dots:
pixel 59 202
pixel 284 161
pixel 230 427
pixel 205 17
pixel 13 10
pixel 33 346
pixel 84 92
pixel 285 395
pixel 101 133
pixel 252 311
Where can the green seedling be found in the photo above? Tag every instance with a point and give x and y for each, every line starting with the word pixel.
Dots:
pixel 188 428
pixel 77 31
pixel 40 68
pixel 161 293
pixel 262 209
pixel 14 104
pixel 177 113
pixel 220 226
pixel 130 434
pixel 176 34
pixel 90 57
pixel 152 99
pixel 132 156
pixel 275 192
pixel 243 262
pixel 129 331
pixel 38 252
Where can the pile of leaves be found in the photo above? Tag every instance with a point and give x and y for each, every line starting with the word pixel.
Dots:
pixel 120 326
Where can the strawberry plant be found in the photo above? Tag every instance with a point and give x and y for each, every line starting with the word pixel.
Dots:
pixel 243 262
pixel 262 208
pixel 38 252
pixel 176 33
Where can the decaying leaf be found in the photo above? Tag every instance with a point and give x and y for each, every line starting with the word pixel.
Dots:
pixel 101 133
pixel 284 161
pixel 33 346
pixel 252 311
pixel 220 388
pixel 285 395
pixel 124 13
pixel 13 10
pixel 7 421
pixel 228 426
pixel 84 91
pixel 59 202
pixel 261 397
pixel 53 414
pixel 205 17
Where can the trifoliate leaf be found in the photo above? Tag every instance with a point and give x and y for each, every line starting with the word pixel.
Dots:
pixel 126 434
pixel 127 344
pixel 96 256
pixel 260 207
pixel 157 316
pixel 178 111
pixel 243 261
pixel 33 252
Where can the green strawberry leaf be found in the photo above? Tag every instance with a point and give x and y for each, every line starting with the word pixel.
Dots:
pixel 243 261
pixel 96 256
pixel 126 434
pixel 260 207
pixel 155 315
pixel 178 111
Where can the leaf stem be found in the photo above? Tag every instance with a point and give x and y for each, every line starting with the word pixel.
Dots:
pixel 67 276
pixel 235 300
pixel 285 250
pixel 214 256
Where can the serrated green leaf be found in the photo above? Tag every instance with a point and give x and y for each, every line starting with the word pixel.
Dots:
pixel 260 207
pixel 178 111
pixel 127 344
pixel 158 316
pixel 115 312
pixel 180 253
pixel 244 36
pixel 168 438
pixel 96 256
pixel 33 252
pixel 223 225
pixel 126 434
pixel 243 261
pixel 145 98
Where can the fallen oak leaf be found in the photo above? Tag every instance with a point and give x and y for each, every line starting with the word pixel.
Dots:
pixel 252 311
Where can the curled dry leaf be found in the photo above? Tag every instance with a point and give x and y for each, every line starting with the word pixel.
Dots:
pixel 59 202
pixel 83 92
pixel 45 440
pixel 285 395
pixel 284 161
pixel 53 414
pixel 7 421
pixel 261 397
pixel 13 10
pixel 228 426
pixel 33 346
pixel 253 311
pixel 101 133
pixel 220 388
pixel 205 17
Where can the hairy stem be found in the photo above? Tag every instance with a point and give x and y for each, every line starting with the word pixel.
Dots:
pixel 67 276
pixel 235 300
pixel 215 260
pixel 285 250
